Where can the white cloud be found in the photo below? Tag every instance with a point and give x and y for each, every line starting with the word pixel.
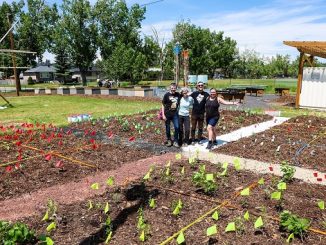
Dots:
pixel 263 28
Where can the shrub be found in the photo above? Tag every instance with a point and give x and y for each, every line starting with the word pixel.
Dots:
pixel 30 81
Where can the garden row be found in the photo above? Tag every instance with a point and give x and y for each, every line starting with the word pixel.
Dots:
pixel 195 202
pixel 31 154
pixel 300 141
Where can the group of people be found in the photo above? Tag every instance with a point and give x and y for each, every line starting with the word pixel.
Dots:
pixel 178 108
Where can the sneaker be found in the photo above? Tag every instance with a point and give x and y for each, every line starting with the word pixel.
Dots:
pixel 193 142
pixel 168 143
pixel 214 142
pixel 175 144
pixel 209 145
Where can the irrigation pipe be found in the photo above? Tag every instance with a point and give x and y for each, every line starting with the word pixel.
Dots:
pixel 24 159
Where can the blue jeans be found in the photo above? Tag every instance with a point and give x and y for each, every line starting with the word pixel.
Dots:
pixel 175 120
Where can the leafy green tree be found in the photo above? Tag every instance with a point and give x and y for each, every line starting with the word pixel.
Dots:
pixel 79 30
pixel 125 55
pixel 207 50
pixel 36 27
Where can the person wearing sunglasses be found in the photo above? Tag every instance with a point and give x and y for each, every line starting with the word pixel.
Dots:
pixel 170 106
pixel 198 112
pixel 213 114
pixel 186 102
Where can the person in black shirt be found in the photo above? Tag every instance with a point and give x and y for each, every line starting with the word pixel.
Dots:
pixel 198 111
pixel 170 105
pixel 212 115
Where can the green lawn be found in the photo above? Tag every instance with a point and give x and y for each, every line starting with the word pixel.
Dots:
pixel 55 109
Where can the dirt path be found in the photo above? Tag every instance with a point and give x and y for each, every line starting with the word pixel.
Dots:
pixel 31 204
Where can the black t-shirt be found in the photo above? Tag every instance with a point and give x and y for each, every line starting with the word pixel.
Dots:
pixel 212 108
pixel 200 99
pixel 171 103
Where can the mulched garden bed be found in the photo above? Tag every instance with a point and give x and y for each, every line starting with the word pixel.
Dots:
pixel 300 141
pixel 147 127
pixel 82 223
pixel 31 160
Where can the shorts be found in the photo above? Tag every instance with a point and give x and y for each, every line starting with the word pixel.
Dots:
pixel 212 121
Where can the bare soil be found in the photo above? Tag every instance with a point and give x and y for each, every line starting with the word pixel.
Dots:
pixel 301 141
pixel 78 224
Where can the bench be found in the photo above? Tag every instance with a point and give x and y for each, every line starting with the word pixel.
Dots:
pixel 255 90
pixel 231 95
pixel 282 91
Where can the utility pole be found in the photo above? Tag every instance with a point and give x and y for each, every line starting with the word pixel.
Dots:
pixel 13 57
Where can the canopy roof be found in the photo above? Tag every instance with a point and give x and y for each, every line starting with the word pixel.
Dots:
pixel 314 48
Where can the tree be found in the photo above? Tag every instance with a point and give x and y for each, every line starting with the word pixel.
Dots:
pixel 124 54
pixel 79 31
pixel 36 27
pixel 208 50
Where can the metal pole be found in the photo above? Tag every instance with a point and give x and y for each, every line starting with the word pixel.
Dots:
pixel 13 57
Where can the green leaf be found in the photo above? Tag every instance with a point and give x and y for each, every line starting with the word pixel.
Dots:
pixel 209 177
pixel 259 222
pixel 178 156
pixel 245 192
pixel 230 227
pixel 281 186
pixel 90 205
pixel 211 230
pixel 110 181
pixel 237 165
pixel 246 216
pixel 183 170
pixel 108 238
pixel 152 203
pixel 51 227
pixel 215 215
pixel 224 172
pixel 181 238
pixel 147 176
pixel 225 165
pixel 176 211
pixel 142 236
pixel 46 216
pixel 276 195
pixel 95 186
pixel 107 208
pixel 261 181
pixel 167 171
pixel 49 241
pixel 321 205
pixel 290 238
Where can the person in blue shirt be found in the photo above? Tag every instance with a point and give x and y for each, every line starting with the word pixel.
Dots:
pixel 186 102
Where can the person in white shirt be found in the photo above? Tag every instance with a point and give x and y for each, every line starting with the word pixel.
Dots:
pixel 186 102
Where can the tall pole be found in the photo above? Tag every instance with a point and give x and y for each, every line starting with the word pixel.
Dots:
pixel 299 83
pixel 13 57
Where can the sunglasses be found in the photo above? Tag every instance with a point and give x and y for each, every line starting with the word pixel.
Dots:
pixel 200 85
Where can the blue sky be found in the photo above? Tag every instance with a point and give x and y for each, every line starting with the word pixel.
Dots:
pixel 259 25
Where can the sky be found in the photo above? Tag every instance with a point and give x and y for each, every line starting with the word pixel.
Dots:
pixel 255 24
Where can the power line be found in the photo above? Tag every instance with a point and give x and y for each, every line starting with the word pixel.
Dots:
pixel 150 3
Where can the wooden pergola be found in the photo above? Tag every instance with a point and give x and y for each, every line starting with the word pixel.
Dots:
pixel 308 51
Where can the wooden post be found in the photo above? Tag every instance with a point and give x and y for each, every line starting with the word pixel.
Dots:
pixel 13 57
pixel 299 83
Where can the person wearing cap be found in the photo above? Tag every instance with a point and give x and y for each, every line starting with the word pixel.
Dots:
pixel 213 114
pixel 198 112
pixel 186 102
pixel 170 106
